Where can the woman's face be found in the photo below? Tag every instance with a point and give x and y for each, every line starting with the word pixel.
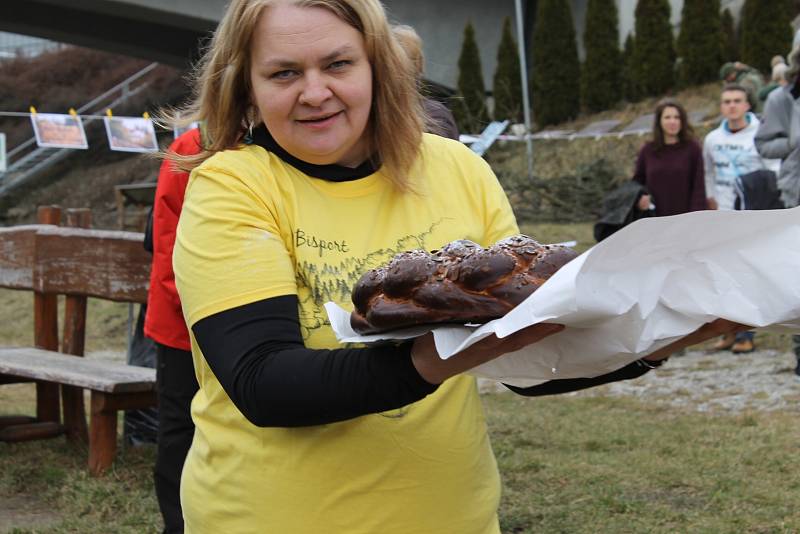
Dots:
pixel 312 83
pixel 670 121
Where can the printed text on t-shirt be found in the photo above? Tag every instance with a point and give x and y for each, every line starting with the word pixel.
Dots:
pixel 302 239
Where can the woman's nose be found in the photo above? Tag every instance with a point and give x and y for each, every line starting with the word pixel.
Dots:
pixel 315 91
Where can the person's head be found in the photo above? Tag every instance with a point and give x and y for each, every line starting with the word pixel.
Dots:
pixel 794 65
pixel 733 103
pixel 326 77
pixel 779 73
pixel 728 72
pixel 670 121
pixel 411 42
pixel 776 60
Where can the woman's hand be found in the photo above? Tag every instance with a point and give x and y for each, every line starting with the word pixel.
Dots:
pixel 644 203
pixel 707 331
pixel 436 370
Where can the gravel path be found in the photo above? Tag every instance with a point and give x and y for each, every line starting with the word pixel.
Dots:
pixel 719 382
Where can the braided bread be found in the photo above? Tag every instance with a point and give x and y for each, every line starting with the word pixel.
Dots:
pixel 461 283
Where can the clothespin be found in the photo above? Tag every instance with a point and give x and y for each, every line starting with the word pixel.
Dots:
pixel 32 110
pixel 146 115
pixel 108 113
pixel 73 112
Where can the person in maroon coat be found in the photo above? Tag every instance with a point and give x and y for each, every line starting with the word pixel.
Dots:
pixel 670 166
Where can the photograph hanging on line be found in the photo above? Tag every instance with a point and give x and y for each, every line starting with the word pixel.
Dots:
pixel 180 130
pixel 54 130
pixel 131 134
pixel 3 165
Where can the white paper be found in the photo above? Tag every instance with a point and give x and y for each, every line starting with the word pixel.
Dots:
pixel 647 285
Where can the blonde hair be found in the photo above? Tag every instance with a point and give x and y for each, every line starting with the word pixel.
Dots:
pixel 222 93
pixel 411 42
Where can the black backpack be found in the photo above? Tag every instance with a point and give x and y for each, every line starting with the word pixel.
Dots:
pixel 619 209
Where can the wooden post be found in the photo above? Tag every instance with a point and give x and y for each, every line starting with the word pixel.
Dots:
pixel 45 320
pixel 103 424
pixel 30 431
pixel 102 436
pixel 73 342
pixel 120 200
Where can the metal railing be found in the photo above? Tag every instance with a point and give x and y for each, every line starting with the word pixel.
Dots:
pixel 27 158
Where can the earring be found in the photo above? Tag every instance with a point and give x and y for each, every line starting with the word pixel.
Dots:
pixel 248 137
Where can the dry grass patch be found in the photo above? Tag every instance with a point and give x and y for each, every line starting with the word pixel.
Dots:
pixel 587 465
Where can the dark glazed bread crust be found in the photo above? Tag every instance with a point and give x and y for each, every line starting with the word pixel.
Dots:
pixel 461 283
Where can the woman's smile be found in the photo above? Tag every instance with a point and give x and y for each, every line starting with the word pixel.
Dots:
pixel 320 122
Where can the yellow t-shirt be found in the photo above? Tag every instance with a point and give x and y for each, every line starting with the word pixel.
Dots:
pixel 253 227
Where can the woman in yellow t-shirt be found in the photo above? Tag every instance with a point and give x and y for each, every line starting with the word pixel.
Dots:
pixel 317 170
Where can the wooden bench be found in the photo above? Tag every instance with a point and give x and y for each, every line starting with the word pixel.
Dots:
pixel 113 387
pixel 76 262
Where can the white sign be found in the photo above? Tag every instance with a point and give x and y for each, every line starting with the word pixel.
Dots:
pixel 2 152
pixel 131 134
pixel 177 131
pixel 488 136
pixel 55 130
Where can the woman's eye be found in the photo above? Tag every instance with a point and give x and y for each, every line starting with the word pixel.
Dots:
pixel 339 64
pixel 282 75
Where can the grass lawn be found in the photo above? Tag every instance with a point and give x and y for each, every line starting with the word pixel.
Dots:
pixel 568 464
pixel 588 465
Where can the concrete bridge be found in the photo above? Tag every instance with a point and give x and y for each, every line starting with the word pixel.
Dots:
pixel 169 31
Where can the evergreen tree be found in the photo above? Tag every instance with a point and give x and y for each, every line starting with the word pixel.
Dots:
pixel 470 107
pixel 653 51
pixel 730 41
pixel 699 41
pixel 766 31
pixel 556 69
pixel 600 80
pixel 629 88
pixel 507 87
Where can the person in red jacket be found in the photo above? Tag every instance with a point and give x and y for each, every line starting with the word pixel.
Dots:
pixel 164 324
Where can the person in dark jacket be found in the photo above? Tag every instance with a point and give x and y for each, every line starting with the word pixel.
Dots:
pixel 777 138
pixel 746 76
pixel 670 165
pixel 164 323
pixel 439 119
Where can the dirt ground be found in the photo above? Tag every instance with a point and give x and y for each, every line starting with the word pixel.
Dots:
pixel 24 512
pixel 721 382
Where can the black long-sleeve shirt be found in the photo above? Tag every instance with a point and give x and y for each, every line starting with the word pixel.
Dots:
pixel 257 353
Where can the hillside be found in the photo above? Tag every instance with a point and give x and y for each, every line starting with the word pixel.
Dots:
pixel 89 177
pixel 56 81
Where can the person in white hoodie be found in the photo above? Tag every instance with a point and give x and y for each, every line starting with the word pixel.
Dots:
pixel 730 150
pixel 728 153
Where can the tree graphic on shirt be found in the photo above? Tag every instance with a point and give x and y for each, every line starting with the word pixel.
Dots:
pixel 318 283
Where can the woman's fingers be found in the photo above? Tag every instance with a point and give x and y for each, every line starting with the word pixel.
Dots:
pixel 435 370
pixel 527 336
